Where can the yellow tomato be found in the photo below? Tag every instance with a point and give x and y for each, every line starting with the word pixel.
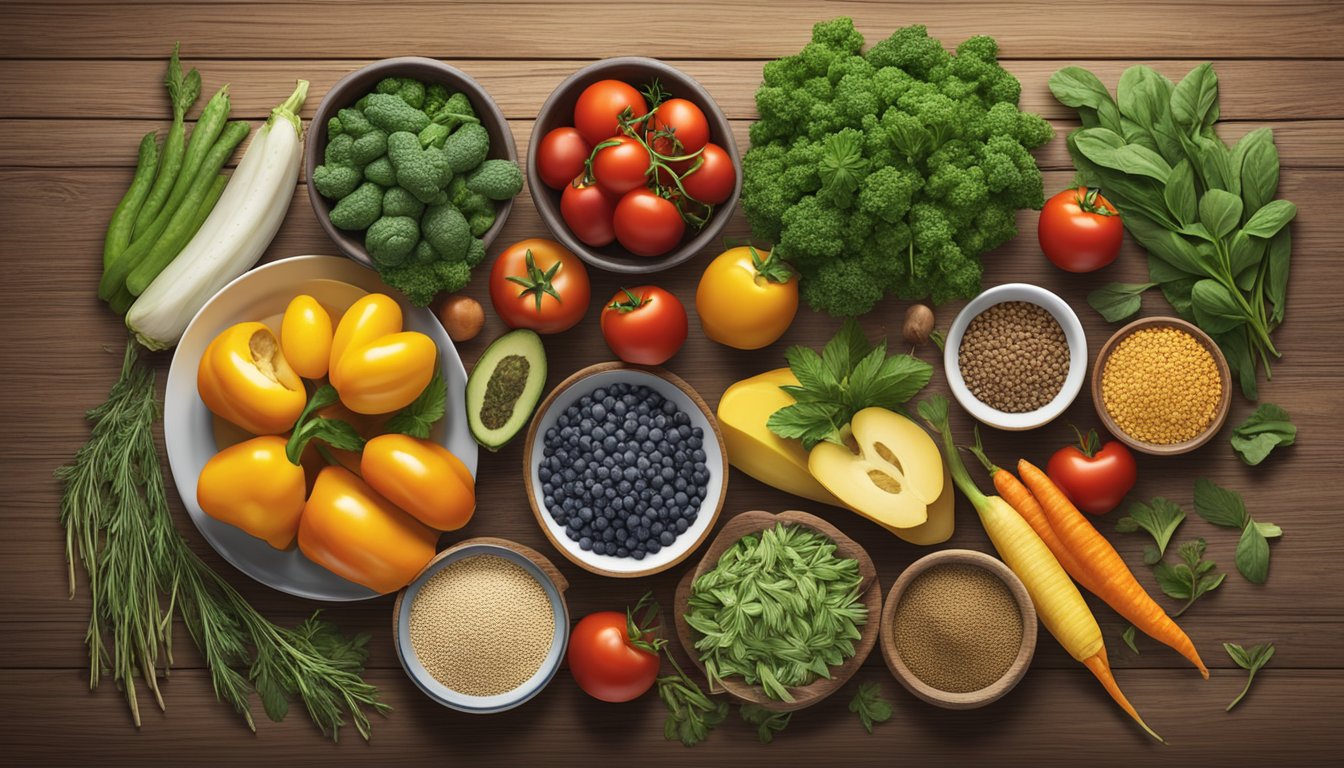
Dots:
pixel 305 337
pixel 422 477
pixel 746 300
pixel 254 486
pixel 369 318
pixel 386 373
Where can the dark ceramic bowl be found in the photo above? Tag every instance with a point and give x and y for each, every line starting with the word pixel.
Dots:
pixel 559 111
pixel 353 86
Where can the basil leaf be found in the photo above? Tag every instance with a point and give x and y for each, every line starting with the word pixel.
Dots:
pixel 1116 301
pixel 1270 218
pixel 1259 168
pixel 1276 283
pixel 1215 309
pixel 1175 581
pixel 1180 193
pixel 1244 255
pixel 1253 555
pixel 1219 505
pixel 1077 87
pixel 1160 518
pixel 1262 432
pixel 418 418
pixel 813 376
pixel 335 433
pixel 1220 212
pixel 1215 163
pixel 1109 150
pixel 1194 99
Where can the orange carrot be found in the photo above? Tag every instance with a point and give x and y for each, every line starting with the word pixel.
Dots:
pixel 1115 583
pixel 1100 667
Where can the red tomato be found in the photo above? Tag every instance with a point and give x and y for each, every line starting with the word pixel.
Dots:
pixel 588 212
pixel 686 123
pixel 1095 477
pixel 561 155
pixel 599 106
pixel 646 224
pixel 1080 230
pixel 714 180
pixel 608 662
pixel 539 284
pixel 644 325
pixel 621 167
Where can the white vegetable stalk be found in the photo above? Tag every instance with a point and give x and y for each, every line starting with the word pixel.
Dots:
pixel 233 236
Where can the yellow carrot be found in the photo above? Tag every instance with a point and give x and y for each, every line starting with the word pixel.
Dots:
pixel 1059 605
pixel 1114 582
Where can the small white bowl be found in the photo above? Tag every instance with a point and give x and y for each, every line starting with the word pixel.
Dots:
pixel 670 387
pixel 262 294
pixel 1073 334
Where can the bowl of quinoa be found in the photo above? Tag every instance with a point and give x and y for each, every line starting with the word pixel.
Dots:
pixel 1161 386
pixel 484 626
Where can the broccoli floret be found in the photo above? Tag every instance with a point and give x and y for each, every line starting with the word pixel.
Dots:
pixel 336 180
pixel 496 179
pixel 481 222
pixel 392 114
pixel 380 172
pixel 447 231
pixel 422 172
pixel 368 147
pixel 334 127
pixel 399 202
pixel 391 239
pixel 338 150
pixel 424 253
pixel 457 191
pixel 436 95
pixel 354 122
pixel 475 252
pixel 434 135
pixel 407 89
pixel 422 282
pixel 456 111
pixel 359 209
pixel 474 203
pixel 467 147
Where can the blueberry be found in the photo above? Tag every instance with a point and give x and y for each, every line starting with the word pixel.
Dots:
pixel 695 502
pixel 622 552
pixel 680 418
pixel 682 524
pixel 585 543
pixel 599 433
pixel 656 434
pixel 667 491
pixel 618 408
pixel 572 534
pixel 657 502
pixel 548 501
pixel 667 538
pixel 603 473
pixel 681 499
pixel 600 547
pixel 544 473
pixel 601 522
pixel 624 487
pixel 656 528
pixel 669 407
pixel 586 514
pixel 668 474
pixel 647 447
pixel 679 483
pixel 638 554
pixel 631 472
pixel 654 547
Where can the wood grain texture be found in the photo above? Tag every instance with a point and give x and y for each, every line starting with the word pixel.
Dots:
pixel 80 83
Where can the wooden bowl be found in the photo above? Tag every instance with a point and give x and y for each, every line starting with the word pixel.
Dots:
pixel 871 594
pixel 353 86
pixel 1224 375
pixel 558 110
pixel 970 699
pixel 716 460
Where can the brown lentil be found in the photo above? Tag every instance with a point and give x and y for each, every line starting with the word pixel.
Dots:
pixel 1161 386
pixel 1014 357
pixel 482 626
pixel 958 628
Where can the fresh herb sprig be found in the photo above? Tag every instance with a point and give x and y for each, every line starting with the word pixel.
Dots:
pixel 1226 509
pixel 1252 660
pixel 691 714
pixel 849 375
pixel 1189 579
pixel 869 705
pixel 1263 431
pixel 334 432
pixel 1160 518
pixel 418 418
pixel 767 722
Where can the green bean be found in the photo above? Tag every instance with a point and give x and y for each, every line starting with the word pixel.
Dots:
pixel 123 218
pixel 121 301
pixel 182 92
pixel 178 232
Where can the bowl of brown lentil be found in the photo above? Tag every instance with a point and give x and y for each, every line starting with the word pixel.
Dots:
pixel 484 626
pixel 1161 386
pixel 958 629
pixel 1015 356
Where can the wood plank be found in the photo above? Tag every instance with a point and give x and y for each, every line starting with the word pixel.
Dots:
pixel 1133 29
pixel 72 88
pixel 1053 716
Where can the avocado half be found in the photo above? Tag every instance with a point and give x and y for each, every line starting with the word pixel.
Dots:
pixel 505 386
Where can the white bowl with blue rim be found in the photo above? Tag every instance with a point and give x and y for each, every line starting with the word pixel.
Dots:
pixel 535 565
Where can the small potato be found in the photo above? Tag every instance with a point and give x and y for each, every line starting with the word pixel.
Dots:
pixel 918 324
pixel 462 317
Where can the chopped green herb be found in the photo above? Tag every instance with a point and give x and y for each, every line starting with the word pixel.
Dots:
pixel 869 705
pixel 1189 579
pixel 767 722
pixel 1160 518
pixel 1251 659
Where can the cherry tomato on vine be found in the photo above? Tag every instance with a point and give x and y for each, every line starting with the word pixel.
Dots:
pixel 1080 230
pixel 600 105
pixel 1095 477
pixel 647 224
pixel 561 156
pixel 621 167
pixel 644 325
pixel 684 121
pixel 539 284
pixel 614 656
pixel 714 180
pixel 588 212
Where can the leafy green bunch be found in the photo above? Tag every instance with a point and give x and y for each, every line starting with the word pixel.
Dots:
pixel 891 170
pixel 1217 240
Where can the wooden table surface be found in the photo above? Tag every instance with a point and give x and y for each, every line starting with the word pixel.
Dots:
pixel 80 83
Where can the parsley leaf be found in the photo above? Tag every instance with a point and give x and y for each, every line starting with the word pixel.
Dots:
pixel 1262 432
pixel 767 722
pixel 1225 508
pixel 869 705
pixel 691 715
pixel 1189 579
pixel 1160 518
pixel 418 418
pixel 1251 659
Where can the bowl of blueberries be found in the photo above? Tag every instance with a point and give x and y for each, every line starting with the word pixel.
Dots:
pixel 625 469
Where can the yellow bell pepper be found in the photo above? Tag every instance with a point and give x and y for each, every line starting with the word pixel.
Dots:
pixel 386 373
pixel 305 337
pixel 352 531
pixel 244 377
pixel 369 318
pixel 253 486
pixel 422 477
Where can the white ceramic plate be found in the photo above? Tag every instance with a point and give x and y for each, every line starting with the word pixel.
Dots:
pixel 1073 335
pixel 262 294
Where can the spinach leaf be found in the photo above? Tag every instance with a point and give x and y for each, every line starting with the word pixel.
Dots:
pixel 1180 193
pixel 1218 505
pixel 1077 87
pixel 1272 217
pixel 1262 432
pixel 1220 212
pixel 1276 282
pixel 1259 160
pixel 1236 348
pixel 1244 255
pixel 1215 309
pixel 1116 301
pixel 1194 101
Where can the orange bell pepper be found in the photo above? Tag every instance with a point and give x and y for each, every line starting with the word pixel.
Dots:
pixel 422 477
pixel 244 377
pixel 305 337
pixel 352 531
pixel 369 318
pixel 386 373
pixel 254 486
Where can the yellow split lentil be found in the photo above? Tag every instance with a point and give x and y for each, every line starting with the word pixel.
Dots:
pixel 482 626
pixel 1161 386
